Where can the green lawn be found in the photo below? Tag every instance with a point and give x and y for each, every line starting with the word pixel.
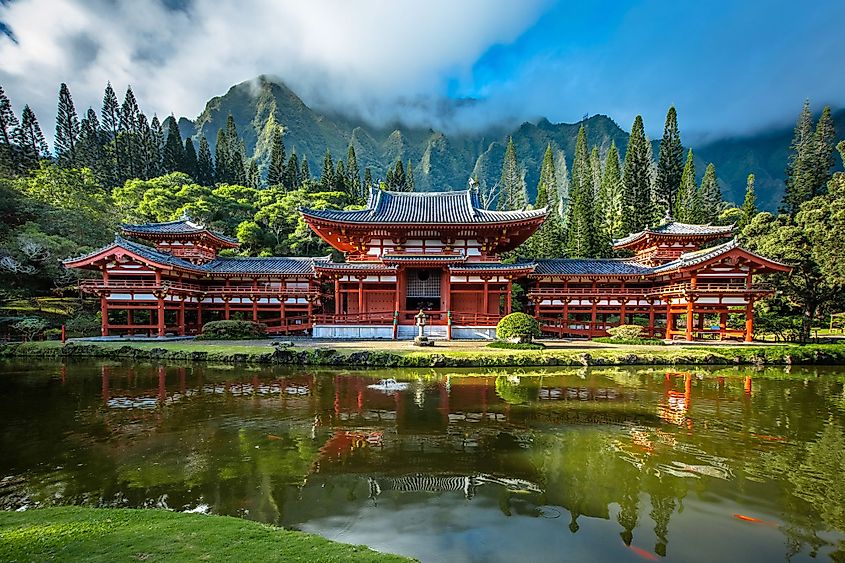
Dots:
pixel 109 535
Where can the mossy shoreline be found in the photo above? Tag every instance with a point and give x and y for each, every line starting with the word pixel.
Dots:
pixel 810 354
pixel 120 534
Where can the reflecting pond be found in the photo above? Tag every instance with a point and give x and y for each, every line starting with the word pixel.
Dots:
pixel 564 464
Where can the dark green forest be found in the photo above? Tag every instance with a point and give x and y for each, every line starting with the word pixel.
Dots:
pixel 115 165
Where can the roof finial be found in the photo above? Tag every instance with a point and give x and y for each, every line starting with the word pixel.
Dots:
pixel 667 218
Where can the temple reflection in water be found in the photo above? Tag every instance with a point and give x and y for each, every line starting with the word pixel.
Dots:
pixel 310 449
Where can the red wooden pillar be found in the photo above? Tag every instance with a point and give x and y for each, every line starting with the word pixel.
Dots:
pixel 508 298
pixel 622 312
pixel 199 315
pixel 669 320
pixel 749 321
pixel 723 323
pixel 485 303
pixel 565 316
pixel 651 320
pixel 360 297
pixel 445 290
pixel 226 307
pixel 130 320
pixel 181 319
pixel 337 297
pixel 254 300
pixel 593 316
pixel 689 319
pixel 104 313
pixel 160 315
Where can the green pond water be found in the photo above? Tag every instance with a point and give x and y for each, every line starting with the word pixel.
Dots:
pixel 513 465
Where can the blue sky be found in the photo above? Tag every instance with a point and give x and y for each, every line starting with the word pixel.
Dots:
pixel 729 67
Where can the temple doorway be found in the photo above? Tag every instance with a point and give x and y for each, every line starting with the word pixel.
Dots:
pixel 422 290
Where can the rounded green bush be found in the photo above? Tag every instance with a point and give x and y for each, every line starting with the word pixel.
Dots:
pixel 518 327
pixel 625 332
pixel 232 330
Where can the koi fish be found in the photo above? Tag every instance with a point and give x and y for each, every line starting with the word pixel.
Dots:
pixel 273 437
pixel 642 553
pixel 753 520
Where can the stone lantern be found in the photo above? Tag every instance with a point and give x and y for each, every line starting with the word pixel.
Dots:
pixel 421 339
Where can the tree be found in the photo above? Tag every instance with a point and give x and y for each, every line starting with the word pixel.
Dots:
pixel 512 192
pixel 156 149
pixel 410 185
pixel 253 176
pixel 340 178
pixel 276 170
pixel 582 241
pixel 205 165
pixel 292 173
pixel 191 162
pixel 30 139
pixel 396 178
pixel 546 242
pixel 327 175
pixel 128 135
pixel 669 163
pixel 688 204
pixel 353 173
pixel 749 204
pixel 611 195
pixel 368 180
pixel 304 172
pixel 173 158
pixel 235 154
pixel 110 123
pixel 824 144
pixel 711 195
pixel 222 173
pixel 67 129
pixel 9 164
pixel 799 169
pixel 89 147
pixel 562 185
pixel 636 180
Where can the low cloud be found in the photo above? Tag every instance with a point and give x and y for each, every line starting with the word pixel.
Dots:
pixel 380 60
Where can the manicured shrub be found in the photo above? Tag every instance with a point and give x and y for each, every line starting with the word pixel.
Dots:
pixel 83 324
pixel 633 341
pixel 518 327
pixel 232 330
pixel 625 332
pixel 30 327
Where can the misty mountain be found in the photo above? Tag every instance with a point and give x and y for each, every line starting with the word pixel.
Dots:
pixel 445 162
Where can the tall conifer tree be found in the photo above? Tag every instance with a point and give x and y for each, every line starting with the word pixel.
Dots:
pixel 824 141
pixel 368 180
pixel 511 183
pixel 611 195
pixel 410 184
pixel 353 172
pixel 711 195
pixel 276 170
pixel 669 164
pixel 128 133
pixel 340 178
pixel 157 140
pixel 749 204
pixel 327 175
pixel 253 175
pixel 30 139
pixel 110 124
pixel 636 180
pixel 582 241
pixel 191 161
pixel 304 172
pixel 173 159
pixel 89 146
pixel 547 241
pixel 292 173
pixel 9 162
pixel 205 164
pixel 800 167
pixel 688 205
pixel 222 171
pixel 67 129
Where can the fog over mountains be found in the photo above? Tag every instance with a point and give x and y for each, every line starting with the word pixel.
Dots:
pixel 444 161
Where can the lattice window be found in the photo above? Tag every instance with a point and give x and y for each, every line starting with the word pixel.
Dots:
pixel 423 283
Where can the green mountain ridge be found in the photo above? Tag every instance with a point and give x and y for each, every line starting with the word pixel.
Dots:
pixel 445 161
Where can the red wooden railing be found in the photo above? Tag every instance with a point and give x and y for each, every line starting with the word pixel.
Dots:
pixel 437 318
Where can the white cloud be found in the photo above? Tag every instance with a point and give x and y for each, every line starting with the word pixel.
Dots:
pixel 365 56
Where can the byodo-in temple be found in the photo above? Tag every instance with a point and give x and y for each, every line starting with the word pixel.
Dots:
pixel 439 252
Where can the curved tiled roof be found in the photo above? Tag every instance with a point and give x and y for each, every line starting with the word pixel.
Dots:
pixel 698 256
pixel 180 227
pixel 591 266
pixel 142 250
pixel 263 265
pixel 354 266
pixel 493 267
pixel 674 228
pixel 458 207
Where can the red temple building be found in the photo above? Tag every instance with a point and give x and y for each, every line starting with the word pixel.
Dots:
pixel 440 252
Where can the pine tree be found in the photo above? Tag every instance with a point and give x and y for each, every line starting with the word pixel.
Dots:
pixel 689 204
pixel 749 205
pixel 353 173
pixel 596 168
pixel 304 172
pixel 711 195
pixel 397 180
pixel 582 240
pixel 173 158
pixel 562 183
pixel 9 161
pixel 368 180
pixel 253 175
pixel 799 169
pixel 110 124
pixel 222 173
pixel 67 129
pixel 410 184
pixel 292 173
pixel 327 175
pixel 30 139
pixel 276 170
pixel 824 141
pixel 148 141
pixel 205 165
pixel 512 193
pixel 236 157
pixel 191 162
pixel 547 241
pixel 128 134
pixel 340 178
pixel 89 147
pixel 669 164
pixel 157 140
pixel 636 180
pixel 610 195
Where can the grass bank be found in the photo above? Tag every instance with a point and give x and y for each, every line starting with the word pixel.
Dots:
pixel 107 534
pixel 401 354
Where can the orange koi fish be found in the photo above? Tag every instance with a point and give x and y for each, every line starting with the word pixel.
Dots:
pixel 273 437
pixel 753 520
pixel 642 553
